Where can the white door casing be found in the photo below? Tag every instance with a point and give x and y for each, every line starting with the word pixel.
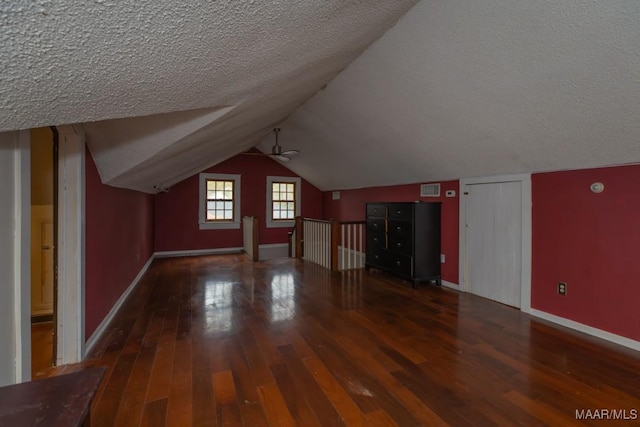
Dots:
pixel 71 245
pixel 495 238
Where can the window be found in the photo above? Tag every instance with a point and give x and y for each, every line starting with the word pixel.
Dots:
pixel 283 201
pixel 219 201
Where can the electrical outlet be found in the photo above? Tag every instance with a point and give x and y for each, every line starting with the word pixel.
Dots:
pixel 562 288
pixel 441 258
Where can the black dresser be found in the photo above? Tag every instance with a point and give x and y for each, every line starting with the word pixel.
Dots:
pixel 404 239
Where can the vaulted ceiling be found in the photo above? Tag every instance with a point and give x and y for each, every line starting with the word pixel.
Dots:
pixel 371 93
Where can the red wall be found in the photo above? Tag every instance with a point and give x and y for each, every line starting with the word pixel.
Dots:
pixel 119 241
pixel 176 226
pixel 592 242
pixel 351 207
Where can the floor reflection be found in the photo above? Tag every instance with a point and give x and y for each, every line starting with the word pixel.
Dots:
pixel 283 294
pixel 218 306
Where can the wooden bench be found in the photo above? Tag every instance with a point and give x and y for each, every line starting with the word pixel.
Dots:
pixel 63 400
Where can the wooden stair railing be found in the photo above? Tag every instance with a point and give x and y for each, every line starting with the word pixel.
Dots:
pixel 312 237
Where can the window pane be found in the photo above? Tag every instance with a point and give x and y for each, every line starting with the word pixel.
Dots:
pixel 228 185
pixel 211 195
pixel 211 185
pixel 228 206
pixel 228 195
pixel 291 206
pixel 228 215
pixel 290 214
pixel 288 196
pixel 211 205
pixel 276 214
pixel 219 185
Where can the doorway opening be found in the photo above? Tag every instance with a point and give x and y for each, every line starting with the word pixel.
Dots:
pixel 44 202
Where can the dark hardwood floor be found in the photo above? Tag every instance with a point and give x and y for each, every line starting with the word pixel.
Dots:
pixel 41 348
pixel 222 341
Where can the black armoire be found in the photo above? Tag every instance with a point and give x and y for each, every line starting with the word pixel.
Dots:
pixel 404 239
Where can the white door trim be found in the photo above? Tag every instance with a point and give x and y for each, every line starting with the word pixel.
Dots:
pixel 525 180
pixel 22 254
pixel 71 244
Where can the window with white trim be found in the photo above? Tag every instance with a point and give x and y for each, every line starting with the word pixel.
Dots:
pixel 283 201
pixel 219 201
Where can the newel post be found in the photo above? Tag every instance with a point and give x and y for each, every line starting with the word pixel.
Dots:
pixel 299 236
pixel 335 241
pixel 256 239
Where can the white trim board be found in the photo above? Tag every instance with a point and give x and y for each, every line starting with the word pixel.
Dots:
pixel 197 252
pixel 450 285
pixel 589 330
pixel 71 244
pixel 525 180
pixel 102 327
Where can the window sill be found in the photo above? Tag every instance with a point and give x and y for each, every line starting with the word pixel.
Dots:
pixel 280 224
pixel 219 225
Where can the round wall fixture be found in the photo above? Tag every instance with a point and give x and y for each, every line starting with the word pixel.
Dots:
pixel 597 187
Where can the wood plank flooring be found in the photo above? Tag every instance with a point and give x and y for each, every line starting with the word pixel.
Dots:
pixel 222 341
pixel 41 348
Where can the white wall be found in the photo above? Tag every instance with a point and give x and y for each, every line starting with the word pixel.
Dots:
pixel 15 351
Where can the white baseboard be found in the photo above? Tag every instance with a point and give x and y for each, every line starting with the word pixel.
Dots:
pixel 273 251
pixel 589 330
pixel 196 252
pixel 97 334
pixel 450 285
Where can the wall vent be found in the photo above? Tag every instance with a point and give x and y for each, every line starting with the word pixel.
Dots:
pixel 430 190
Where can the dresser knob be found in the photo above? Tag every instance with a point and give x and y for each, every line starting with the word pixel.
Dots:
pixel 398 228
pixel 398 263
pixel 399 244
pixel 399 212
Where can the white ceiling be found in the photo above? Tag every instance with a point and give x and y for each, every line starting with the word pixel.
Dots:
pixel 231 69
pixel 462 89
pixel 456 89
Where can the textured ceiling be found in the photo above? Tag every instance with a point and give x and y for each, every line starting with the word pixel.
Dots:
pixel 455 89
pixel 461 89
pixel 231 69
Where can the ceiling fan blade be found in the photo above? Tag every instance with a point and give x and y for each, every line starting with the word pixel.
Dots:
pixel 290 153
pixel 280 157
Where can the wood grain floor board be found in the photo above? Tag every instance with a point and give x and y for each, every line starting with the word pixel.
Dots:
pixel 220 340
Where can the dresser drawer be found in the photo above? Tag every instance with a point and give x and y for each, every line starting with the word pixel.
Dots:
pixel 376 241
pixel 400 211
pixel 377 258
pixel 401 244
pixel 376 225
pixel 376 210
pixel 399 228
pixel 400 264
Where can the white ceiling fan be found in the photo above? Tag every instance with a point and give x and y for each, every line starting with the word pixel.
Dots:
pixel 276 151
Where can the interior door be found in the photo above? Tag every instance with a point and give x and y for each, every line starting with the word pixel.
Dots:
pixel 494 240
pixel 47 264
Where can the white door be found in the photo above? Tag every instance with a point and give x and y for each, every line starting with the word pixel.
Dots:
pixel 494 240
